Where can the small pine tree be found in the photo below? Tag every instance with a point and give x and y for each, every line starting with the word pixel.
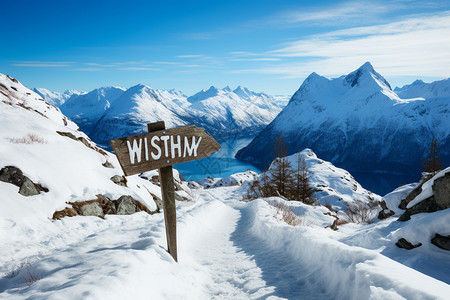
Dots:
pixel 282 176
pixel 280 149
pixel 432 162
pixel 302 189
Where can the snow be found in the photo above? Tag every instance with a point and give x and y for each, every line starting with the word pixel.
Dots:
pixel 394 198
pixel 358 122
pixel 427 190
pixel 227 248
pixel 335 186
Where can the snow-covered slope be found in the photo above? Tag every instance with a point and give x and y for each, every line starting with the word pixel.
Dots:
pixel 420 89
pixel 67 167
pixel 334 186
pixel 86 109
pixel 55 98
pixel 134 109
pixel 357 122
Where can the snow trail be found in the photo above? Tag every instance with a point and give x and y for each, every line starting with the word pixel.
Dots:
pixel 240 265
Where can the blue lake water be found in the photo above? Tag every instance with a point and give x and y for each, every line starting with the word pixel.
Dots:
pixel 219 164
pixel 222 164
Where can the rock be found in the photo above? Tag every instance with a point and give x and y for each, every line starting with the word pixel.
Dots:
pixel 107 164
pixel 440 199
pixel 12 175
pixel 92 209
pixel 385 213
pixel 194 185
pixel 441 241
pixel 179 197
pixel 67 134
pixel 108 206
pixel 119 180
pixel 126 205
pixel 85 142
pixel 66 212
pixel 28 188
pixel 441 191
pixel 402 243
pixel 158 202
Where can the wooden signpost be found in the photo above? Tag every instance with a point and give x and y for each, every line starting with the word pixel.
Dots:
pixel 160 149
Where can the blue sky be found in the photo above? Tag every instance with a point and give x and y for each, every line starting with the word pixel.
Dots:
pixel 268 46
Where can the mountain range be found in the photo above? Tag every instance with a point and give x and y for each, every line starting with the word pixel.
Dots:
pixel 359 123
pixel 110 112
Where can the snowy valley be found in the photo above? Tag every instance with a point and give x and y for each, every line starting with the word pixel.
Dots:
pixel 108 241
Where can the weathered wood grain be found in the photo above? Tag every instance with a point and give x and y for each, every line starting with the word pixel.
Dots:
pixel 207 146
pixel 168 199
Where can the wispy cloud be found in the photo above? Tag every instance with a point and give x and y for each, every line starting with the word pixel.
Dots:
pixel 89 66
pixel 190 56
pixel 256 59
pixel 350 12
pixel 137 69
pixel 166 63
pixel 419 45
pixel 42 64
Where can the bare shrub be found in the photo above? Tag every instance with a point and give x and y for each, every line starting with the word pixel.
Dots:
pixel 361 212
pixel 29 275
pixel 30 138
pixel 285 212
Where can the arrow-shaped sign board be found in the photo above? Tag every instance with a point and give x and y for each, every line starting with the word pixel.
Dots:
pixel 160 149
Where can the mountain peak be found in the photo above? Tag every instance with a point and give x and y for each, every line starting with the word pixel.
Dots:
pixel 364 73
pixel 367 66
pixel 227 89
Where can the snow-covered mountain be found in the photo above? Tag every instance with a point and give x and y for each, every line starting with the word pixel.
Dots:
pixel 134 109
pixel 55 98
pixel 86 109
pixel 358 122
pixel 420 89
pixel 222 112
pixel 225 113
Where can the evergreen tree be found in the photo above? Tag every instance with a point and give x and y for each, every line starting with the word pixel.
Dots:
pixel 302 190
pixel 432 162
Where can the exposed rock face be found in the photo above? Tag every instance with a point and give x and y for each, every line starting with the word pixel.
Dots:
pixel 119 180
pixel 12 175
pixel 28 188
pixel 441 241
pixel 92 209
pixel 386 212
pixel 402 243
pixel 15 176
pixel 107 164
pixel 125 205
pixel 438 201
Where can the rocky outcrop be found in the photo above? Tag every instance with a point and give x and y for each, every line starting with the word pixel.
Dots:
pixel 125 205
pixel 402 243
pixel 441 241
pixel 15 176
pixel 385 212
pixel 439 200
pixel 119 180
pixel 107 164
pixel 83 140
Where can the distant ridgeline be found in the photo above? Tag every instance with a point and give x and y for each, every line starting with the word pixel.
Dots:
pixel 359 123
pixel 111 112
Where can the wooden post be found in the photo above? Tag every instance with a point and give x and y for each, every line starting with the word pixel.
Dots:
pixel 168 199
